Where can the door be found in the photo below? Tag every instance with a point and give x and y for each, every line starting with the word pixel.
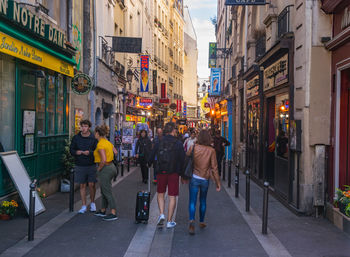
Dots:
pixel 270 141
pixel 344 151
pixel 27 118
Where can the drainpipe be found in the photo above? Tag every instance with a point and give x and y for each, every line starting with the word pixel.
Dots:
pixel 245 69
pixel 92 92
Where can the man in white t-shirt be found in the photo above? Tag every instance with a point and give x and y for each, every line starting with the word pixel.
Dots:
pixel 190 141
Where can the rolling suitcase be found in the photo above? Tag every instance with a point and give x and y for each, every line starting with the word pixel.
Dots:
pixel 143 203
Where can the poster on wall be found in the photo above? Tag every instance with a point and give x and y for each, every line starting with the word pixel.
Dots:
pixel 78 116
pixel 28 122
pixel 144 83
pixel 215 81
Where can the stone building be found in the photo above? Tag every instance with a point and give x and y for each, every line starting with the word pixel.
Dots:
pixel 277 75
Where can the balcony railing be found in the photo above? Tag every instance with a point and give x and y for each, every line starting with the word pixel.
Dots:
pixel 284 25
pixel 260 47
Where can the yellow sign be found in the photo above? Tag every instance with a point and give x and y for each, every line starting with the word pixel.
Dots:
pixel 20 50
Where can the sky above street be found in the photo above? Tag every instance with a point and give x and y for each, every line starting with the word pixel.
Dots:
pixel 201 11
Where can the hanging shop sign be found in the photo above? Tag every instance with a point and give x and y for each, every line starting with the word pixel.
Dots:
pixel 154 77
pixel 20 50
pixel 215 81
pixel 178 105
pixel 20 15
pixel 212 55
pixel 276 74
pixel 81 84
pixel 173 106
pixel 185 109
pixel 144 83
pixel 145 102
pixel 127 44
pixel 164 101
pixel 245 2
pixel 253 87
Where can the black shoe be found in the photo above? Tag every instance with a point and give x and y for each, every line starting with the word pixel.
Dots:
pixel 100 213
pixel 110 217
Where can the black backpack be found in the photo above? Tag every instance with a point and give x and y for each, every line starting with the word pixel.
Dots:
pixel 166 156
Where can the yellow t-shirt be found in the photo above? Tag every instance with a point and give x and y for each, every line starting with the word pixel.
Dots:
pixel 108 147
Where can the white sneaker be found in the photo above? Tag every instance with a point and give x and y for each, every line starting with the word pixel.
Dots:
pixel 170 224
pixel 83 209
pixel 161 220
pixel 92 207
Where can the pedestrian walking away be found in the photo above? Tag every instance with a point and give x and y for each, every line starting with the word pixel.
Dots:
pixel 219 145
pixel 82 148
pixel 104 155
pixel 205 167
pixel 143 150
pixel 156 141
pixel 170 161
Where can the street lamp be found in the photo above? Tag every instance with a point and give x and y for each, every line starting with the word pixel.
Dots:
pixel 129 75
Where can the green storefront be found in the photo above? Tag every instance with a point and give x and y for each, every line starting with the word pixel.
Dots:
pixel 35 74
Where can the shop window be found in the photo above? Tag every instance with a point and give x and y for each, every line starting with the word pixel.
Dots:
pixel 282 125
pixel 40 107
pixel 51 105
pixel 60 105
pixel 7 102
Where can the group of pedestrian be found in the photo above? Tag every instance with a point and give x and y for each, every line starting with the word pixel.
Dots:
pixel 166 152
pixel 94 156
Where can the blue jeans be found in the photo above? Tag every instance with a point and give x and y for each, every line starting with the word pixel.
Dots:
pixel 195 186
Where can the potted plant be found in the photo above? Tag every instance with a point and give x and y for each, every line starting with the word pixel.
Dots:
pixel 8 209
pixel 343 200
pixel 67 159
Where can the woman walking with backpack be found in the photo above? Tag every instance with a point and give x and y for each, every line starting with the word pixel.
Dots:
pixel 142 150
pixel 204 167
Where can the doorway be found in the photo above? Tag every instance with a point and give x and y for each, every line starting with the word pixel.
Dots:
pixel 270 141
pixel 344 130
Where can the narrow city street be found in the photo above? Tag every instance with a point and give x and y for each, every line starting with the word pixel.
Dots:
pixel 239 106
pixel 230 232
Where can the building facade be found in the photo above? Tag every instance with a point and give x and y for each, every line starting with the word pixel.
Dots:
pixel 277 74
pixel 190 67
pixel 36 72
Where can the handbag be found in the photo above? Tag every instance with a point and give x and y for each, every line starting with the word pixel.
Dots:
pixel 189 165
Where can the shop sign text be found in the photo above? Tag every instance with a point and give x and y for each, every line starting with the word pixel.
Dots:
pixel 22 16
pixel 276 74
pixel 253 87
pixel 20 50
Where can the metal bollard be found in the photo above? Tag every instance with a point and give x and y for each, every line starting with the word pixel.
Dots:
pixel 223 168
pixel 31 223
pixel 265 207
pixel 247 191
pixel 128 161
pixel 71 191
pixel 229 171
pixel 237 181
pixel 122 166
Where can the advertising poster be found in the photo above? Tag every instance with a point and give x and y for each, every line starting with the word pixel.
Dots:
pixel 215 81
pixel 144 83
pixel 28 122
pixel 78 117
